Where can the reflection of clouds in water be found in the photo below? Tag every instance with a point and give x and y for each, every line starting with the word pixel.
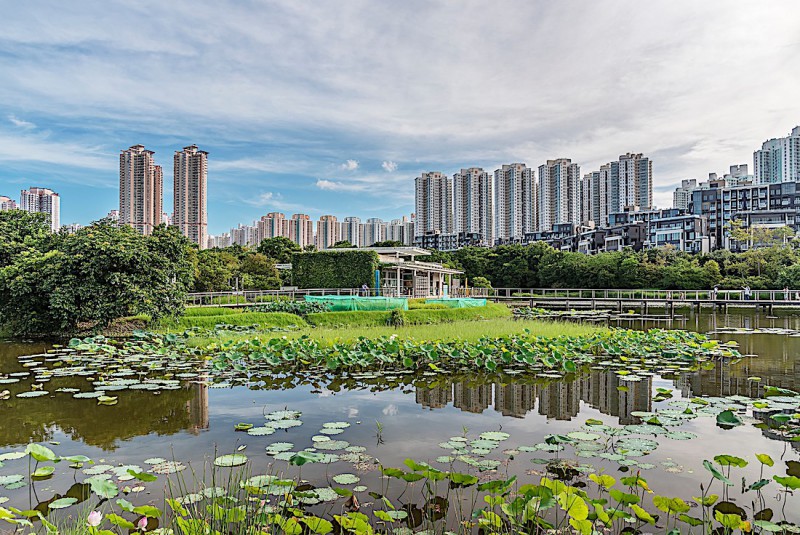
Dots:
pixel 390 410
pixel 324 393
pixel 352 412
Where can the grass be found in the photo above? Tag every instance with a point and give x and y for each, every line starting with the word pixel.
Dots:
pixel 263 319
pixel 468 324
pixel 378 318
pixel 466 330
pixel 211 311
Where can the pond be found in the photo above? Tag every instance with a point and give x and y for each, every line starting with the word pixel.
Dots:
pixel 365 421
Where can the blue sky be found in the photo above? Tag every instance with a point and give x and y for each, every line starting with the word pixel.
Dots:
pixel 335 107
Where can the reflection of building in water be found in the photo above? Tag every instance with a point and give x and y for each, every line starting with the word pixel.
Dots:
pixel 560 400
pixel 472 398
pixel 601 391
pixel 776 365
pixel 197 409
pixel 435 398
pixel 514 399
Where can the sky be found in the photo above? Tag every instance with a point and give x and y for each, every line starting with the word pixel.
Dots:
pixel 335 107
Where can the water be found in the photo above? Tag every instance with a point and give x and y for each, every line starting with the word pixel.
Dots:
pixel 195 423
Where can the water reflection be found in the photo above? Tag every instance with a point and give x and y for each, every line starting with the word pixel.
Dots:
pixel 140 413
pixel 559 400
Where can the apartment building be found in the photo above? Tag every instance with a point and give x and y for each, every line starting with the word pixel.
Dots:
pixel 7 203
pixel 515 203
pixel 778 160
pixel 433 203
pixel 190 194
pixel 559 193
pixel 141 189
pixel 473 210
pixel 43 201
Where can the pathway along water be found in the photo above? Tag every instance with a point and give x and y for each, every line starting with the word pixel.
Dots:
pixel 417 416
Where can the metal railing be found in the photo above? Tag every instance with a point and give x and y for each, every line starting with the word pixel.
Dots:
pixel 640 294
pixel 505 294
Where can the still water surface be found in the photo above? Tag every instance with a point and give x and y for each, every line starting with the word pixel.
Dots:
pixel 194 423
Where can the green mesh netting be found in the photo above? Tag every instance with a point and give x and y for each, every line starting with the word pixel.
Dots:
pixel 341 303
pixel 463 302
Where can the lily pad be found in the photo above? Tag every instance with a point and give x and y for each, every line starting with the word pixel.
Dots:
pixel 234 459
pixel 346 479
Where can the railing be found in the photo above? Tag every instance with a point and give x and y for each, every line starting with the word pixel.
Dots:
pixel 507 294
pixel 638 295
pixel 249 297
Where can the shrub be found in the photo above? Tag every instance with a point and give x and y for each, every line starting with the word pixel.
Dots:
pixel 334 269
pixel 397 318
pixel 262 319
pixel 211 311
pixel 301 308
pixel 426 306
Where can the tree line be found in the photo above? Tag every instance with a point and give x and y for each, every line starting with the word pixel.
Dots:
pixel 541 266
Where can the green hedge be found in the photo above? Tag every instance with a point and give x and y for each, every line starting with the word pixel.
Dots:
pixel 334 269
pixel 211 311
pixel 264 319
pixel 369 318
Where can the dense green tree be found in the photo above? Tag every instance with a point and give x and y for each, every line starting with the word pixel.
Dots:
pixel 342 244
pixel 259 273
pixel 90 278
pixel 216 269
pixel 22 231
pixel 387 243
pixel 279 248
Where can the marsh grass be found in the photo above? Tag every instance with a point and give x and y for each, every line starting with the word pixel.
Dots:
pixel 262 319
pixel 470 331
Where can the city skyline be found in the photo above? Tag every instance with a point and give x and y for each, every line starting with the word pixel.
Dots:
pixel 336 127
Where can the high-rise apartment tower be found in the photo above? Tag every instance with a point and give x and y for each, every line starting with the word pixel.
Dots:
pixel 141 190
pixel 191 194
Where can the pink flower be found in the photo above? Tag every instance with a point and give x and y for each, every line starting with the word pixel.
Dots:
pixel 94 519
pixel 142 523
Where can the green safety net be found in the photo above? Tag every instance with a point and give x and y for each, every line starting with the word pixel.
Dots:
pixel 341 303
pixel 460 302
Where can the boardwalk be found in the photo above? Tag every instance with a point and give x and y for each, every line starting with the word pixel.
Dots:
pixel 641 300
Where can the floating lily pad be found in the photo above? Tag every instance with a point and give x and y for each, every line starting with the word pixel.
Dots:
pixel 169 467
pixel 62 503
pixel 346 479
pixel 336 425
pixel 332 445
pixel 234 459
pixel 680 435
pixel 283 415
pixel 495 436
pixel 155 460
pixel 260 431
pixel 33 394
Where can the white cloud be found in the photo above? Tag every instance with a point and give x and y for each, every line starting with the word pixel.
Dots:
pixel 357 80
pixel 389 166
pixel 390 410
pixel 274 201
pixel 20 122
pixel 335 185
pixel 349 165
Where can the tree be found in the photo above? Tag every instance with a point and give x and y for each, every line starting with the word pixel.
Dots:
pixel 387 243
pixel 259 273
pixel 310 248
pixel 22 231
pixel 342 244
pixel 90 278
pixel 279 248
pixel 215 269
pixel 481 282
